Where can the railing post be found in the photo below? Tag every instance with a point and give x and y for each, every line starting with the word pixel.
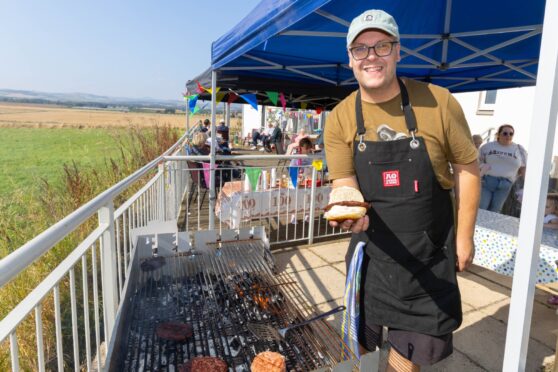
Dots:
pixel 162 193
pixel 312 206
pixel 108 276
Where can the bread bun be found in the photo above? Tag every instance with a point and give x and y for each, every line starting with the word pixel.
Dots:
pixel 268 361
pixel 345 203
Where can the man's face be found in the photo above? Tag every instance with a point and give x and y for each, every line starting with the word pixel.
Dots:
pixel 374 72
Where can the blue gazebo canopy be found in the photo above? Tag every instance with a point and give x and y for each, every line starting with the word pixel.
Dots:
pixel 464 45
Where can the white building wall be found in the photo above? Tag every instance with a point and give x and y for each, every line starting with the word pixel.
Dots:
pixel 513 106
pixel 251 119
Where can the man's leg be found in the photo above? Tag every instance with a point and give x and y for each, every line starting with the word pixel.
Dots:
pixel 398 363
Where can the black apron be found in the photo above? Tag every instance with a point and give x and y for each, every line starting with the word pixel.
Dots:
pixel 408 269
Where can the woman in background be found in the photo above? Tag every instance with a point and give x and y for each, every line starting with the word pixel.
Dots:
pixel 501 161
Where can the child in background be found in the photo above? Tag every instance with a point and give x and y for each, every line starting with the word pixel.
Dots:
pixel 551 222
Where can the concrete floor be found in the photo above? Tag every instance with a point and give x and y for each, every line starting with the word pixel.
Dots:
pixel 478 344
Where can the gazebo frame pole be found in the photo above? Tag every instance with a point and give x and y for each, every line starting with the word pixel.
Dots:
pixel 543 128
pixel 212 153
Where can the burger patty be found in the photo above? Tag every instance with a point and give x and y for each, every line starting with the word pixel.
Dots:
pixel 347 203
pixel 174 331
pixel 204 364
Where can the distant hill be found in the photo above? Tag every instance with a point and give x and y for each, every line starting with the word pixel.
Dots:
pixel 92 100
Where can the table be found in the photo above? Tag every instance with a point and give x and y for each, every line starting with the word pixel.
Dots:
pixel 496 245
pixel 235 205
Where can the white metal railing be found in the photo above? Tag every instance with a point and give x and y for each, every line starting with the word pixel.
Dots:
pixel 86 314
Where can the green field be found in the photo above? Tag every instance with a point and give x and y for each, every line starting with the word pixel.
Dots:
pixel 29 154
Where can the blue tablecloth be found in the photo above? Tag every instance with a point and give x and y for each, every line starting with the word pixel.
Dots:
pixel 496 245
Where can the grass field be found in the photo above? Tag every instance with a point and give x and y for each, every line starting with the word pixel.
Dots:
pixel 28 154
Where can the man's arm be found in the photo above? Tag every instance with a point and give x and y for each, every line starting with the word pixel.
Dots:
pixel 467 195
pixel 355 226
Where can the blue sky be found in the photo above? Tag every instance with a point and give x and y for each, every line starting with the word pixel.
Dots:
pixel 117 48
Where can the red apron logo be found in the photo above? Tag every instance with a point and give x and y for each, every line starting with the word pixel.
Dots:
pixel 391 178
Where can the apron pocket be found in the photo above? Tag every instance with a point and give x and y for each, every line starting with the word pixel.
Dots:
pixel 403 247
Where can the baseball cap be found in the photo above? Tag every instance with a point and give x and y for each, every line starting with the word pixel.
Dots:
pixel 373 18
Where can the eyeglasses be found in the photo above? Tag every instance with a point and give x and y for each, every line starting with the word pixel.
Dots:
pixel 381 49
pixel 507 134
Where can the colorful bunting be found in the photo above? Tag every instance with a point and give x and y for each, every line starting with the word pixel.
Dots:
pixel 303 105
pixel 293 172
pixel 219 97
pixel 273 97
pixel 251 99
pixel 232 97
pixel 206 172
pixel 210 91
pixel 317 164
pixel 319 110
pixel 200 88
pixel 191 96
pixel 192 103
pixel 283 101
pixel 253 173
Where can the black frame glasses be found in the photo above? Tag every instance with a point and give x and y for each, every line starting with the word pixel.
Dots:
pixel 381 49
pixel 507 134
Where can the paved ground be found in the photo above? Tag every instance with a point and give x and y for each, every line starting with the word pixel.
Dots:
pixel 478 344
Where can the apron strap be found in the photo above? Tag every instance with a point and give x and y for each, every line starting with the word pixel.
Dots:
pixel 410 119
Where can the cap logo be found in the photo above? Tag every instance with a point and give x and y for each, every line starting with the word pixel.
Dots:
pixel 369 17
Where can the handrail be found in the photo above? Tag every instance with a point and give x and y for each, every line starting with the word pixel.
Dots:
pixel 241 157
pixel 15 262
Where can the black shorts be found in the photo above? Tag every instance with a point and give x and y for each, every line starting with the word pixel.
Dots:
pixel 419 348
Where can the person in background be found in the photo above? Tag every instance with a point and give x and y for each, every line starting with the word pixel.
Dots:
pixel 408 282
pixel 261 136
pixel 206 126
pixel 304 148
pixel 501 161
pixel 292 146
pixel 223 130
pixel 477 140
pixel 199 144
pixel 275 138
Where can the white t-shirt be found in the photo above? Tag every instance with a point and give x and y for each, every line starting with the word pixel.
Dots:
pixel 550 217
pixel 502 161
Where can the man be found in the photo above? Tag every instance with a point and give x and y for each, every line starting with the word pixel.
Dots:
pixel 399 159
pixel 206 126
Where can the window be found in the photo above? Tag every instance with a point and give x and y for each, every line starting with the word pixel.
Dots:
pixel 487 102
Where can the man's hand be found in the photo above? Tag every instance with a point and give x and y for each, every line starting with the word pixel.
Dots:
pixel 465 249
pixel 357 226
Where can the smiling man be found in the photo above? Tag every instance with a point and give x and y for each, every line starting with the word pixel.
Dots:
pixel 395 139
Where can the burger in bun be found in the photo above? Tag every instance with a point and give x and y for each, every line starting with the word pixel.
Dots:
pixel 345 203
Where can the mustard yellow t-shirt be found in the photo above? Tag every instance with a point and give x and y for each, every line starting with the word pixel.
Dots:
pixel 440 121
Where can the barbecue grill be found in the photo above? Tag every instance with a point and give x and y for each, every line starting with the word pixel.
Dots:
pixel 217 283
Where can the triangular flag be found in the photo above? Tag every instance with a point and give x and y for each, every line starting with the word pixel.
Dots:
pixel 308 116
pixel 210 91
pixel 303 105
pixel 318 164
pixel 191 96
pixel 283 101
pixel 232 97
pixel 253 174
pixel 293 172
pixel 219 97
pixel 319 110
pixel 251 99
pixel 273 97
pixel 192 103
pixel 200 89
pixel 196 109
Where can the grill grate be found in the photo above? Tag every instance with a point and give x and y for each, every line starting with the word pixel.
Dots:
pixel 218 294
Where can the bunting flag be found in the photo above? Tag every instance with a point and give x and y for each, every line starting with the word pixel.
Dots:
pixel 219 97
pixel 206 173
pixel 317 164
pixel 293 172
pixel 251 99
pixel 200 89
pixel 273 97
pixel 210 91
pixel 253 173
pixel 308 116
pixel 232 97
pixel 303 105
pixel 319 110
pixel 195 110
pixel 283 101
pixel 192 103
pixel 191 96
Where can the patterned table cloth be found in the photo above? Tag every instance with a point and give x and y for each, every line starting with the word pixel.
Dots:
pixel 496 245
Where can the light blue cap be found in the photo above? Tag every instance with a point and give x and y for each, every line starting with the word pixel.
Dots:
pixel 372 19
